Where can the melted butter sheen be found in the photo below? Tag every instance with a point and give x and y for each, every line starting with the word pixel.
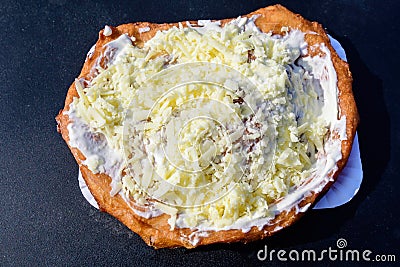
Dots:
pixel 252 158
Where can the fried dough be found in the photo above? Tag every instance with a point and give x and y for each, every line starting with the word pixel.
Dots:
pixel 156 231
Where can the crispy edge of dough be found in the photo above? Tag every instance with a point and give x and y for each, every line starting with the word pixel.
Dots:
pixel 156 231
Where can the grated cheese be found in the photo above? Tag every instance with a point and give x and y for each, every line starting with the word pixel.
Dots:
pixel 216 152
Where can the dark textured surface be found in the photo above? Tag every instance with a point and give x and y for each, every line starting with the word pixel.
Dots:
pixel 45 219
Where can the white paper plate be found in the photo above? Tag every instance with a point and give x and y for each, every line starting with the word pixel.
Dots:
pixel 347 184
pixel 341 192
pixel 85 191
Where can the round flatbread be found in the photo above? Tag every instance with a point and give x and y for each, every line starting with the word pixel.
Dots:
pixel 157 230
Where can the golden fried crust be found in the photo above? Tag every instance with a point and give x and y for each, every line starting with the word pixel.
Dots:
pixel 156 231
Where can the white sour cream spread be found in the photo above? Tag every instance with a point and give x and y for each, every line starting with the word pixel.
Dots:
pixel 219 127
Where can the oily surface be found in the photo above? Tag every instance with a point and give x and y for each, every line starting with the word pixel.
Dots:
pixel 155 231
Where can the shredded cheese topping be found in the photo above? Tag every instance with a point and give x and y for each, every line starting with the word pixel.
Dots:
pixel 214 123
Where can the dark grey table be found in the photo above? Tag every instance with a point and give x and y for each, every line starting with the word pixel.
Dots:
pixel 44 219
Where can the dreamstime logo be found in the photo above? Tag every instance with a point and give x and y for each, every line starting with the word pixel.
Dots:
pixel 341 243
pixel 189 129
pixel 338 253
